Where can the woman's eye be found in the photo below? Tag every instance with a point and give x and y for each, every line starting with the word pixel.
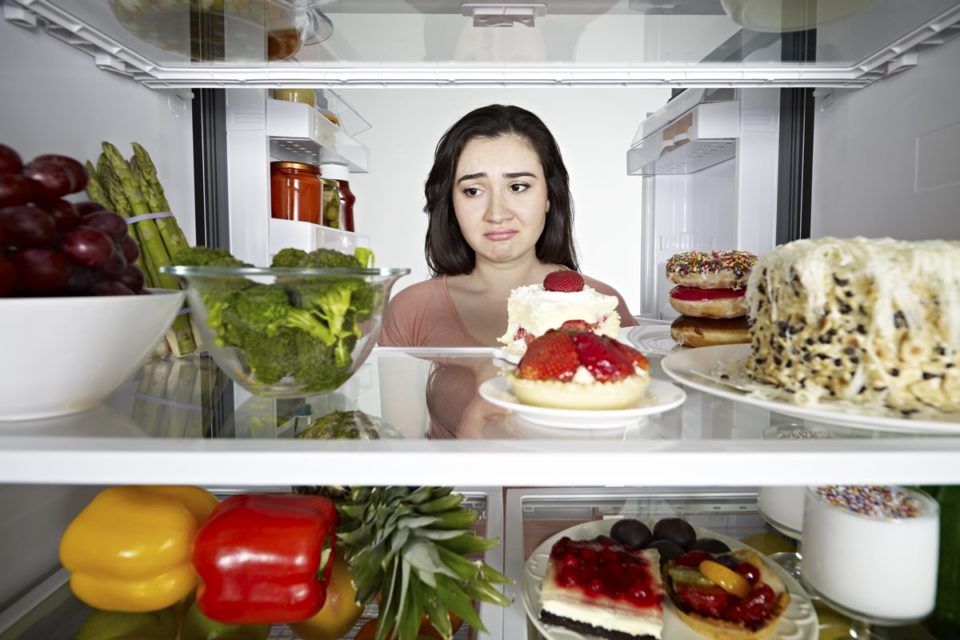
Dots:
pixel 519 187
pixel 470 192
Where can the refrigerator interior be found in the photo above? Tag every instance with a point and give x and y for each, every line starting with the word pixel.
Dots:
pixel 885 163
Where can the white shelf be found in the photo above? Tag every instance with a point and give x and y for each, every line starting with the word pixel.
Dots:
pixel 298 132
pixel 308 236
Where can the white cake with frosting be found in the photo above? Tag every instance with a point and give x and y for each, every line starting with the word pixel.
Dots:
pixel 533 310
pixel 862 320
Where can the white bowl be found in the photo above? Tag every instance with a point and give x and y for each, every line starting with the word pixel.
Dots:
pixel 63 355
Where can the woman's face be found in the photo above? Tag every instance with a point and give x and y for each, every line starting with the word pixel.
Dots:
pixel 500 197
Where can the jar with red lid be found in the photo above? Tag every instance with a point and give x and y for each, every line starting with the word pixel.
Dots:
pixel 296 192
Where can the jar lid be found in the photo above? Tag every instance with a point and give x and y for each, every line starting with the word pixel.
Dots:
pixel 335 171
pixel 297 166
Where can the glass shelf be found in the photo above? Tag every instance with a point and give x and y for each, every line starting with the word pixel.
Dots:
pixel 183 421
pixel 425 42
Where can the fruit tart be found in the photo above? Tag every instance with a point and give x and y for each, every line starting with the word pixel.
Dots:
pixel 726 596
pixel 575 368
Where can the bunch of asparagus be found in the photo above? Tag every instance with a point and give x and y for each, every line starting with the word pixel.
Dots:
pixel 131 188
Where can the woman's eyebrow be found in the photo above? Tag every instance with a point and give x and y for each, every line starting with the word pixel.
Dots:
pixel 511 175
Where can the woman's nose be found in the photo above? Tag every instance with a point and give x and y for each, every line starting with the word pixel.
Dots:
pixel 497 209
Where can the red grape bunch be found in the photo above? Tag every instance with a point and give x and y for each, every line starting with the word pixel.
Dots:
pixel 52 247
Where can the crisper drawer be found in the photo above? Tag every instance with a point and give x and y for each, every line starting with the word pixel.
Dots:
pixel 50 612
pixel 535 519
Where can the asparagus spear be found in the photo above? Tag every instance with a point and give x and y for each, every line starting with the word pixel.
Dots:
pixel 145 163
pixel 95 189
pixel 112 186
pixel 170 231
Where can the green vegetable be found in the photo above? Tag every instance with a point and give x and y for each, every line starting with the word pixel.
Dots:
pixel 205 257
pixel 317 259
pixel 197 626
pixel 117 625
pixel 289 258
pixel 299 327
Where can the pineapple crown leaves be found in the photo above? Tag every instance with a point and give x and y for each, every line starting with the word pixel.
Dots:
pixel 411 545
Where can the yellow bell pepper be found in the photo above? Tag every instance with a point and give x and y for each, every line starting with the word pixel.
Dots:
pixel 129 549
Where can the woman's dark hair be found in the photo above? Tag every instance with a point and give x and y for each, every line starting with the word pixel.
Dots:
pixel 446 249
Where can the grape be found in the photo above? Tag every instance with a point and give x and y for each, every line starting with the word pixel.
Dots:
pixel 115 265
pixel 128 246
pixel 40 271
pixel 132 278
pixel 50 181
pixel 80 280
pixel 110 223
pixel 10 161
pixel 110 288
pixel 64 214
pixel 87 246
pixel 15 189
pixel 78 175
pixel 8 277
pixel 87 207
pixel 27 226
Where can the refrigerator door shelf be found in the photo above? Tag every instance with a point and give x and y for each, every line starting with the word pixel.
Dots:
pixel 308 236
pixel 704 136
pixel 301 133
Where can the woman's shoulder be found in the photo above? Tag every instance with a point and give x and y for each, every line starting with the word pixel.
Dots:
pixel 417 293
pixel 626 318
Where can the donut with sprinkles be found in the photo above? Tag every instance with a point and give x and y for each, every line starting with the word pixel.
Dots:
pixel 711 269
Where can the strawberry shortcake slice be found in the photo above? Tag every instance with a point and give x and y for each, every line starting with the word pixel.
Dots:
pixel 534 309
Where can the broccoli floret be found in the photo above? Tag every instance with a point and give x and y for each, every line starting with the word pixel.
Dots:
pixel 205 257
pixel 289 257
pixel 331 259
pixel 317 366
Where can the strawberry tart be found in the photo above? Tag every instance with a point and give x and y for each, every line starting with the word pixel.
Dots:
pixel 604 589
pixel 534 309
pixel 573 368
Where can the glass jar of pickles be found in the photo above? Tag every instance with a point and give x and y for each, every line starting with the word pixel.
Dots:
pixel 296 191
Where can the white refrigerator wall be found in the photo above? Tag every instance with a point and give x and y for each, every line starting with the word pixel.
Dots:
pixel 55 100
pixel 886 159
pixel 593 128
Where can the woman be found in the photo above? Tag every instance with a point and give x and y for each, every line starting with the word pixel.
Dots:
pixel 498 200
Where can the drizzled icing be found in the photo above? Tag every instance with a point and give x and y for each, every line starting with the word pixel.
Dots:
pixel 739 262
pixel 859 319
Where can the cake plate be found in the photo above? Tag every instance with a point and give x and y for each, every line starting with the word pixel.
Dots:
pixel 799 621
pixel 702 369
pixel 660 396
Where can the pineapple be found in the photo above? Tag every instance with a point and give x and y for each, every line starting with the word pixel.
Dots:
pixel 409 544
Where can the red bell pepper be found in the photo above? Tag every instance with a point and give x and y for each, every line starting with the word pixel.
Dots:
pixel 265 558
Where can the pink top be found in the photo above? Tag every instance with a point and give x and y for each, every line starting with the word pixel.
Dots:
pixel 423 315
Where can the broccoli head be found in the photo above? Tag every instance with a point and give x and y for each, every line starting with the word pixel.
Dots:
pixel 331 259
pixel 205 257
pixel 289 257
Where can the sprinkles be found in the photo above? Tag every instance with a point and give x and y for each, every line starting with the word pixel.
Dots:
pixel 739 262
pixel 876 501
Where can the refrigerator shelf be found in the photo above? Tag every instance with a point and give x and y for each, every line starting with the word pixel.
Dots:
pixel 157 47
pixel 161 433
pixel 299 133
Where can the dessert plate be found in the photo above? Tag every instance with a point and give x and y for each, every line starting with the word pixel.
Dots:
pixel 700 369
pixel 653 340
pixel 661 396
pixel 799 621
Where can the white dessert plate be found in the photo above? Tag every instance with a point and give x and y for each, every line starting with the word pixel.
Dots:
pixel 661 396
pixel 700 369
pixel 799 621
pixel 653 340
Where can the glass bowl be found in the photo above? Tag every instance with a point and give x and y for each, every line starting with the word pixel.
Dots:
pixel 288 332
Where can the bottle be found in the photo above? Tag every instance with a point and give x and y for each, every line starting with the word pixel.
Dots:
pixel 296 192
pixel 341 174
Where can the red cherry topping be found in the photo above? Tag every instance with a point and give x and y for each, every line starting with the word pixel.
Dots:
pixel 709 601
pixel 748 571
pixel 692 559
pixel 603 568
pixel 754 608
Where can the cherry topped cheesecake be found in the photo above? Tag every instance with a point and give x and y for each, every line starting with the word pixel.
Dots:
pixel 602 588
pixel 726 596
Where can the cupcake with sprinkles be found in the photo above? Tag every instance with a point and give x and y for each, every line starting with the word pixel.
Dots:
pixel 872 549
pixel 709 293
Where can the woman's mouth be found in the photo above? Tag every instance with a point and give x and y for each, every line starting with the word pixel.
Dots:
pixel 500 234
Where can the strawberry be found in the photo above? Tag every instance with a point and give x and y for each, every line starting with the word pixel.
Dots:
pixel 575 325
pixel 633 356
pixel 601 358
pixel 552 356
pixel 754 608
pixel 708 601
pixel 563 281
